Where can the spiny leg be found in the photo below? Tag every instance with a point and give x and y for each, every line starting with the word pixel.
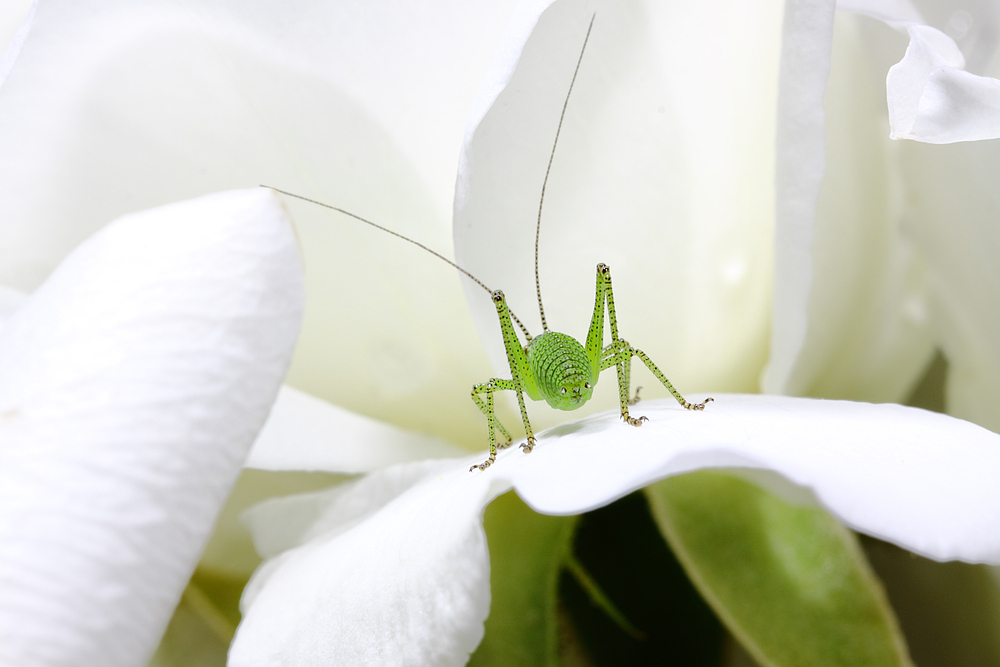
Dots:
pixel 616 350
pixel 636 399
pixel 529 442
pixel 488 388
pixel 491 421
pixel 622 361
pixel 522 379
pixel 609 352
pixel 490 416
pixel 666 383
pixel 619 353
pixel 627 351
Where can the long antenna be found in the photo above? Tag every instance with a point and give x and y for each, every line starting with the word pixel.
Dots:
pixel 407 239
pixel 541 200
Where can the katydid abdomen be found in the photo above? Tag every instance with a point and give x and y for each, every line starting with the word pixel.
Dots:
pixel 562 370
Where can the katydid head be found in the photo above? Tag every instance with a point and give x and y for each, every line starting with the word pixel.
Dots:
pixel 573 393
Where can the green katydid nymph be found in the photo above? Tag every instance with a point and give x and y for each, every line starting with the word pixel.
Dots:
pixel 553 366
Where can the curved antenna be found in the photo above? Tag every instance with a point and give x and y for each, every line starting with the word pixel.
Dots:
pixel 541 200
pixel 405 238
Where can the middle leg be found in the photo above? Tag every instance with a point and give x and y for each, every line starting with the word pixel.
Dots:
pixel 493 424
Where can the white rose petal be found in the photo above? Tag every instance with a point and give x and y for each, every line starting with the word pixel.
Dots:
pixel 801 164
pixel 307 433
pixel 377 579
pixel 919 479
pixel 955 106
pixel 10 301
pixel 134 381
pixel 15 22
pixel 931 97
pixel 954 226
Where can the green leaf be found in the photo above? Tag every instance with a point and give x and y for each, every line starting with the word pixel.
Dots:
pixel 789 581
pixel 526 555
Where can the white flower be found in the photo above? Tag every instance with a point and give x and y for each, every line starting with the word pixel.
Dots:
pixel 665 170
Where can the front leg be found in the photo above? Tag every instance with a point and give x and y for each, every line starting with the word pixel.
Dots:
pixel 616 354
pixel 488 388
pixel 619 353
